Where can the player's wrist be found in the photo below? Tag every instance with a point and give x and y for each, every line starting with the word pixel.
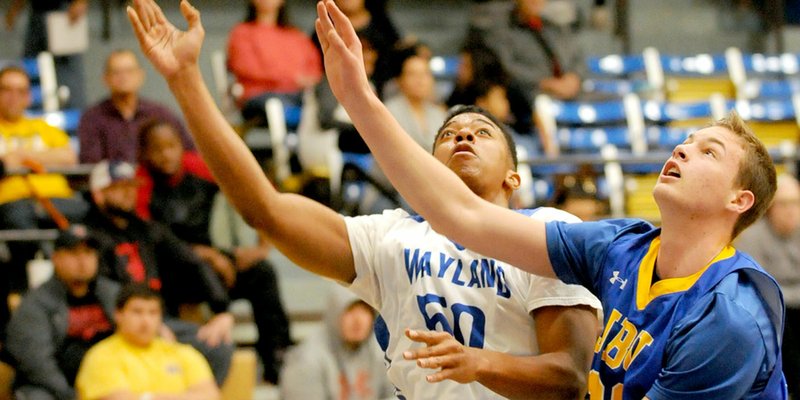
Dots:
pixel 483 367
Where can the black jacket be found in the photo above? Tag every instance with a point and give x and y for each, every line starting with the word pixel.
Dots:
pixel 170 265
pixel 38 331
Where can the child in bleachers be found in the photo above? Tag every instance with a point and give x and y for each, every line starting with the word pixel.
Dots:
pixel 178 191
pixel 136 363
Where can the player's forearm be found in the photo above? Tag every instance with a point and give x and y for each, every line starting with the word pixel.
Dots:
pixel 308 233
pixel 547 376
pixel 234 168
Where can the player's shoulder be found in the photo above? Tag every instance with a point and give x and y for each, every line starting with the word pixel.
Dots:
pixel 734 306
pixel 746 289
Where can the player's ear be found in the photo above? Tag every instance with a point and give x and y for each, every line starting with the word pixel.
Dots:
pixel 512 181
pixel 741 201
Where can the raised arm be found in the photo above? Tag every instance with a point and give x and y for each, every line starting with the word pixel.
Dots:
pixel 558 372
pixel 422 180
pixel 307 232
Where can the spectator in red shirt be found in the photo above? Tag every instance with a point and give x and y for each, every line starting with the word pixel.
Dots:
pixel 271 58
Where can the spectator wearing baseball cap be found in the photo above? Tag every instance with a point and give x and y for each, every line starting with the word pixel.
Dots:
pixel 133 250
pixel 107 173
pixel 57 323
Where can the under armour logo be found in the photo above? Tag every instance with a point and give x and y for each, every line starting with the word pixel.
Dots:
pixel 614 279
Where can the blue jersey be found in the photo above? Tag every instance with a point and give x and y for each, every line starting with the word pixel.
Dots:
pixel 714 334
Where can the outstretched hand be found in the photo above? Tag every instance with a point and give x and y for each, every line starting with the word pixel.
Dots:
pixel 455 361
pixel 168 48
pixel 341 48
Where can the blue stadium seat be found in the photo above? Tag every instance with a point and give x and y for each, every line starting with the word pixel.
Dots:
pixel 759 75
pixel 663 112
pixel 766 110
pixel 576 127
pixel 617 87
pixel 292 114
pixel 592 139
pixel 588 113
pixel 615 65
pixel 445 67
pixel 694 65
pixel 67 120
pixel 665 137
pixel 770 88
pixel 782 64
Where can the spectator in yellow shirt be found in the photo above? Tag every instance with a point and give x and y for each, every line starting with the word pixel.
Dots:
pixel 28 139
pixel 135 363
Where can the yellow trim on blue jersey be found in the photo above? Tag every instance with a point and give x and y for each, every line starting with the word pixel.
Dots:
pixel 646 291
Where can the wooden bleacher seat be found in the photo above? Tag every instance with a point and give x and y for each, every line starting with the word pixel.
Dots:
pixel 241 381
pixel 6 380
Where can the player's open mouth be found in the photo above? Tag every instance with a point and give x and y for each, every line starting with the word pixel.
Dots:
pixel 463 148
pixel 671 169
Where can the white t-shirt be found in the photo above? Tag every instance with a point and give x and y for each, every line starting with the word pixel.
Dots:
pixel 419 279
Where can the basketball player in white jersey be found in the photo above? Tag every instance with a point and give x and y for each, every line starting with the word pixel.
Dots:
pixel 502 332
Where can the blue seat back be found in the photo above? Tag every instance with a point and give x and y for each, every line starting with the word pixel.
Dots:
pixel 588 113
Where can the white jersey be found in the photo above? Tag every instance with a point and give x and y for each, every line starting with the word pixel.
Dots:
pixel 419 279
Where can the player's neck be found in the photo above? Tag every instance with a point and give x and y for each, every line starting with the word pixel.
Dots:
pixel 687 249
pixel 498 197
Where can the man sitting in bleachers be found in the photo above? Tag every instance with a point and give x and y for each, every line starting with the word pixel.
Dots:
pixel 133 250
pixel 57 323
pixel 109 129
pixel 25 140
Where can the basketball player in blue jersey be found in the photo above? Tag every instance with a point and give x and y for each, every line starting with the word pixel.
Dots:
pixel 509 333
pixel 686 315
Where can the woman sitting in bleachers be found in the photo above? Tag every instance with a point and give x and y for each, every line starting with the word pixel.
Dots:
pixel 414 105
pixel 270 58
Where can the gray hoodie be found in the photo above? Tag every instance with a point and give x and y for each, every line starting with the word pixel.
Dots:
pixel 322 367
